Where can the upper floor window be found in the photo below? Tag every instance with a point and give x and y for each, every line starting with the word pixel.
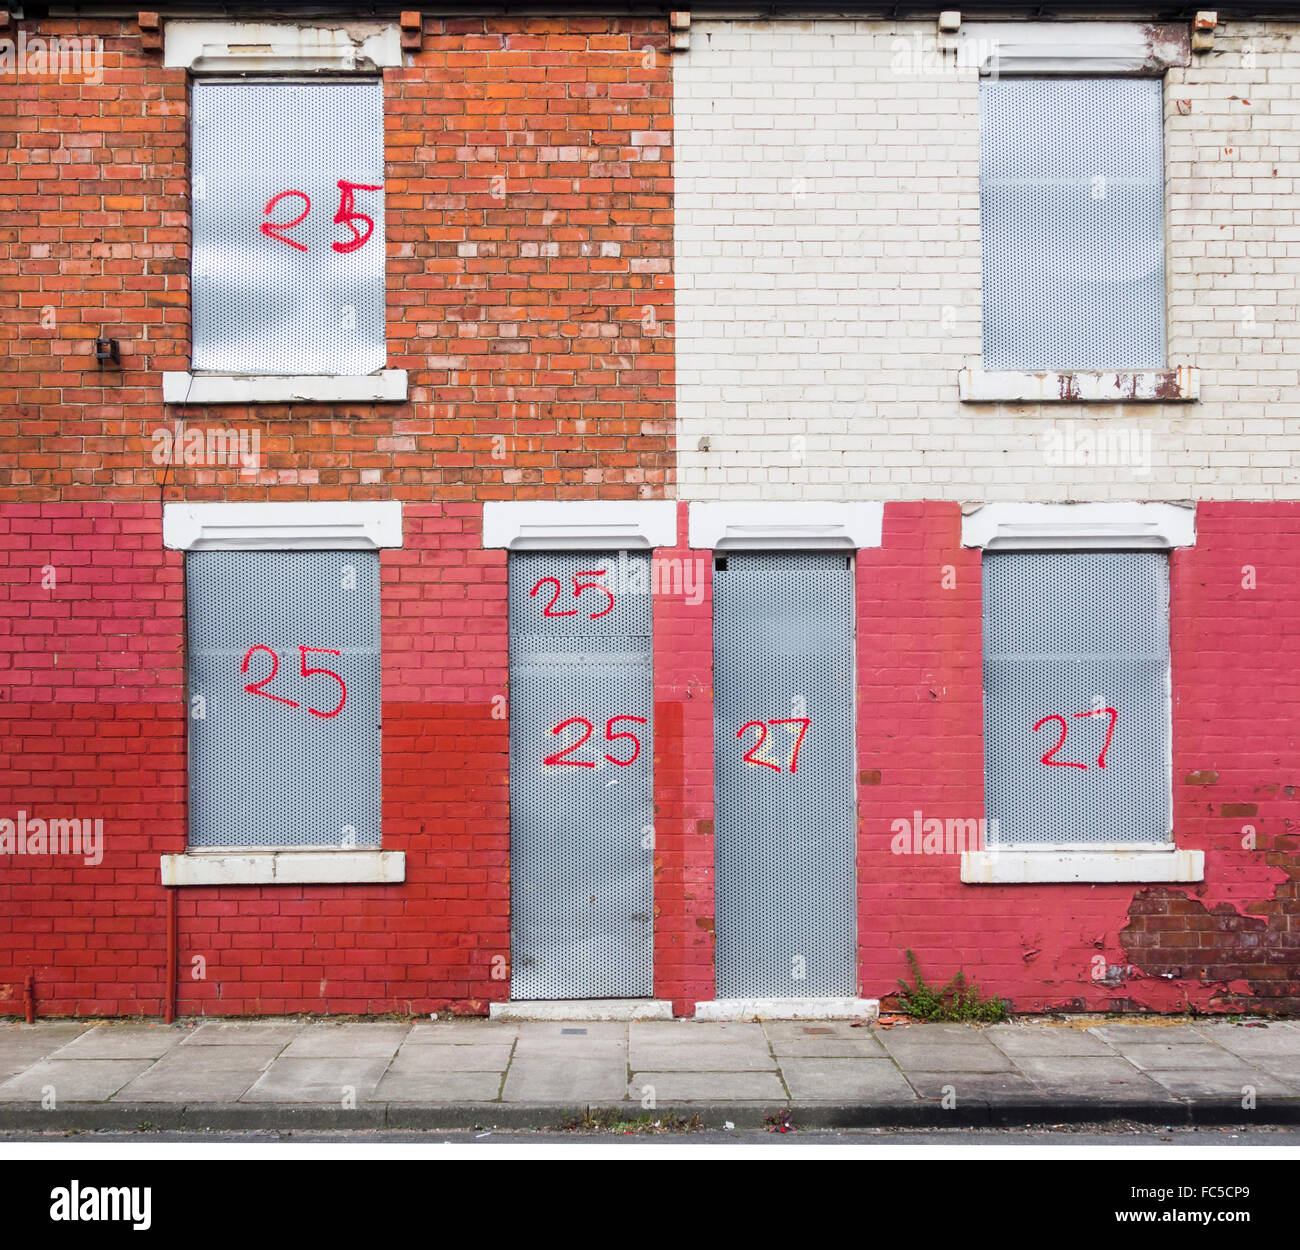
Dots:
pixel 288 226
pixel 1072 221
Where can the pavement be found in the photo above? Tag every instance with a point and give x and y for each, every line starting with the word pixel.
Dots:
pixel 290 1074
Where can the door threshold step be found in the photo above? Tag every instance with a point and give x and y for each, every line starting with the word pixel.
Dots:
pixel 585 1009
pixel 788 1009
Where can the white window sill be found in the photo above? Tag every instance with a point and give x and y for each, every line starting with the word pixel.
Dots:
pixel 1181 384
pixel 387 386
pixel 1009 867
pixel 284 868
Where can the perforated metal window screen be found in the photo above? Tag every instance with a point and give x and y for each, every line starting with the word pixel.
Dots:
pixel 263 772
pixel 581 827
pixel 1072 221
pixel 1068 634
pixel 784 829
pixel 263 305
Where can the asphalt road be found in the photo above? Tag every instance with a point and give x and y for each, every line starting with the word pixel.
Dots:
pixel 1117 1134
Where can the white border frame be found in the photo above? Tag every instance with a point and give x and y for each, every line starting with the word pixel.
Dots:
pixel 388 386
pixel 785 525
pixel 1088 47
pixel 297 526
pixel 575 525
pixel 1056 864
pixel 1079 526
pixel 281 47
pixel 308 526
pixel 237 866
pixel 1174 384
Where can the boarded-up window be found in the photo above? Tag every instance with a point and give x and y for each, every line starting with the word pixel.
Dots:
pixel 1072 221
pixel 288 208
pixel 1076 697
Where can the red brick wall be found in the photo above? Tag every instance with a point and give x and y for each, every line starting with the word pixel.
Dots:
pixel 683 659
pixel 1230 942
pixel 92 725
pixel 532 375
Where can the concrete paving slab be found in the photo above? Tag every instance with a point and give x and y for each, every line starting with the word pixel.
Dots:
pixel 578 1079
pixel 828 1039
pixel 936 1034
pixel 461 1032
pixel 185 1084
pixel 348 1041
pixel 1181 1058
pixel 1089 1076
pixel 1230 1084
pixel 324 1080
pixel 241 1032
pixel 670 1087
pixel 182 1059
pixel 1120 1035
pixel 687 1056
pixel 1250 1043
pixel 974 1086
pixel 943 1057
pixel 426 1060
pixel 438 1087
pixel 72 1080
pixel 818 1079
pixel 115 1041
pixel 52 1031
pixel 696 1032
pixel 1019 1041
pixel 582 1032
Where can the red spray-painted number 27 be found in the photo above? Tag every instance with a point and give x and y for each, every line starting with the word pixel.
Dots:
pixel 1101 759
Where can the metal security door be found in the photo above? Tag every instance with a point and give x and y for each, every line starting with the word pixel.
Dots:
pixel 785 805
pixel 581 775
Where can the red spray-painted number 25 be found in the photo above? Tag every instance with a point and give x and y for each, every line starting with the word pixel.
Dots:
pixel 578 588
pixel 255 687
pixel 558 757
pixel 347 215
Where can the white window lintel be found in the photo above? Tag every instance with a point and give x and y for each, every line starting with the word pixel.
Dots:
pixel 386 386
pixel 342 46
pixel 580 524
pixel 1077 526
pixel 1099 866
pixel 1073 47
pixel 786 525
pixel 297 526
pixel 329 867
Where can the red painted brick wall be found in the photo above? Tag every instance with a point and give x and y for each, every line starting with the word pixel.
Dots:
pixel 683 660
pixel 538 366
pixel 1232 942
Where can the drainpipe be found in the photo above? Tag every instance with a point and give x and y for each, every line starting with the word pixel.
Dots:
pixel 169 995
pixel 29 996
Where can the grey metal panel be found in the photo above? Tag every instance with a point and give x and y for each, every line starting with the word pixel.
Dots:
pixel 261 305
pixel 581 838
pixel 1072 222
pixel 783 637
pixel 1066 633
pixel 264 773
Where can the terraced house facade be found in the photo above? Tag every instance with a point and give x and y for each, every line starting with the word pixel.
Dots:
pixel 671 508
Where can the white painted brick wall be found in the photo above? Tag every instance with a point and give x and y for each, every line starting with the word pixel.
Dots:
pixel 828 279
